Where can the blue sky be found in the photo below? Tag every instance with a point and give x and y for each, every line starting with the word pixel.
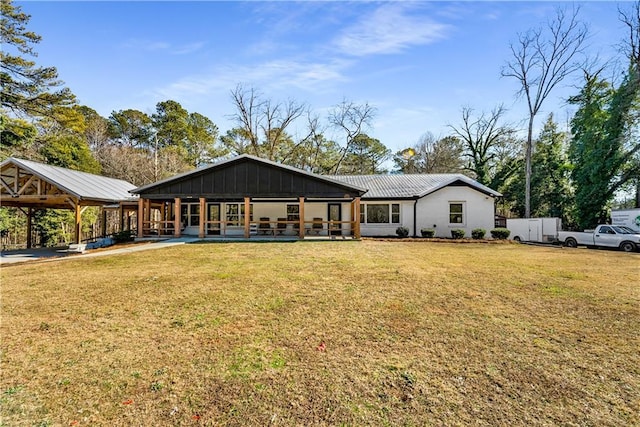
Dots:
pixel 418 63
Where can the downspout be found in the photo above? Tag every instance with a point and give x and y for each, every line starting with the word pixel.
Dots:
pixel 415 217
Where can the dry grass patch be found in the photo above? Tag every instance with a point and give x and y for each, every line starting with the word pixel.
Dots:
pixel 348 333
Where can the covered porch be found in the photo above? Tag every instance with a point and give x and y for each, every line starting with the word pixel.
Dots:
pixel 248 197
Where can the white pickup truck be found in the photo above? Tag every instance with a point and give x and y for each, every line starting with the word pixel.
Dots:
pixel 604 236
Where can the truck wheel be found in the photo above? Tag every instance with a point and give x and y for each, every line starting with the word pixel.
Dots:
pixel 516 239
pixel 571 243
pixel 628 246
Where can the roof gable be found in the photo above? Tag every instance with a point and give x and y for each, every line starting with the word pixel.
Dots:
pixel 79 185
pixel 248 176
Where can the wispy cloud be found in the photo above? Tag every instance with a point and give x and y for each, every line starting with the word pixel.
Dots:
pixel 391 28
pixel 270 76
pixel 160 46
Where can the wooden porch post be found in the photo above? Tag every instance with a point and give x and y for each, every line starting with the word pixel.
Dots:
pixel 103 226
pixel 29 237
pixel 356 219
pixel 301 212
pixel 162 229
pixel 78 222
pixel 203 216
pixel 177 225
pixel 247 217
pixel 120 217
pixel 147 214
pixel 140 217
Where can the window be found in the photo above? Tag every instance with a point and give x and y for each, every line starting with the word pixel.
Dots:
pixel 456 215
pixel 293 212
pixel 190 214
pixel 380 213
pixel 235 214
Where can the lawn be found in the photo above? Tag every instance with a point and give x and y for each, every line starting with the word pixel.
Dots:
pixel 324 333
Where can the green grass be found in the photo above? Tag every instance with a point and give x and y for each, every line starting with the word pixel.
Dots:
pixel 324 333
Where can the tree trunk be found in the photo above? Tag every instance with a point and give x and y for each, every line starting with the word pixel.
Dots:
pixel 527 172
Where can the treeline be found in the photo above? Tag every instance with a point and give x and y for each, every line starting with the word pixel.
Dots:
pixel 572 171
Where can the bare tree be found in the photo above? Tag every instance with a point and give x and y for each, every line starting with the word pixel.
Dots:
pixel 542 58
pixel 352 119
pixel 263 123
pixel 631 19
pixel 482 137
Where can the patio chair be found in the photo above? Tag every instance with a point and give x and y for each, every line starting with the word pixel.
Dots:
pixel 317 226
pixel 281 226
pixel 264 226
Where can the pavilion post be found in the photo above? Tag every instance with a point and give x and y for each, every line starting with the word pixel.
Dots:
pixel 78 222
pixel 103 226
pixel 29 237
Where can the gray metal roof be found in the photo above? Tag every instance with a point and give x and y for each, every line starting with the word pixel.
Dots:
pixel 85 186
pixel 409 186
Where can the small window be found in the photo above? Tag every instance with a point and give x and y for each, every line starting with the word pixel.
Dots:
pixel 395 213
pixel 293 212
pixel 456 215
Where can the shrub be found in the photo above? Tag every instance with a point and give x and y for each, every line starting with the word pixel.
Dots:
pixel 402 231
pixel 428 232
pixel 478 233
pixel 457 233
pixel 123 236
pixel 500 233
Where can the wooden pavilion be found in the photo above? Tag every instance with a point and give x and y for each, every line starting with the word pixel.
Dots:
pixel 29 185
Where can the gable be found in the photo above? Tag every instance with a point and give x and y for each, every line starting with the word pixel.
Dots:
pixel 248 176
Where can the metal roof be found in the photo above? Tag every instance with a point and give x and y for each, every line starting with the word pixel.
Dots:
pixel 83 185
pixel 409 186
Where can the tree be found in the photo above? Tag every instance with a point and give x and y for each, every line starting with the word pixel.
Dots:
pixel 201 140
pixel 262 125
pixel 551 194
pixel 431 155
pixel 130 128
pixel 27 90
pixel 365 156
pixel 483 138
pixel 542 58
pixel 602 155
pixel 351 119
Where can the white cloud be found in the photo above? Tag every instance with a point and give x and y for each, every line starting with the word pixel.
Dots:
pixel 273 75
pixel 389 29
pixel 160 46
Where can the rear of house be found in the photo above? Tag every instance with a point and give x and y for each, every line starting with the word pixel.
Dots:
pixel 441 202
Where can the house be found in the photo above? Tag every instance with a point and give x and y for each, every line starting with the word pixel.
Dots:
pixel 249 196
pixel 440 202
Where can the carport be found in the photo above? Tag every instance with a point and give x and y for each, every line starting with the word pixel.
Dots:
pixel 29 185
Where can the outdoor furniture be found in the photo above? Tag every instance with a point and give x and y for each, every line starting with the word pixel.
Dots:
pixel 317 226
pixel 281 226
pixel 264 226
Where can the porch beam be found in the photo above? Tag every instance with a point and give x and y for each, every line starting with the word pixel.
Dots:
pixel 301 212
pixel 203 206
pixel 177 226
pixel 247 217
